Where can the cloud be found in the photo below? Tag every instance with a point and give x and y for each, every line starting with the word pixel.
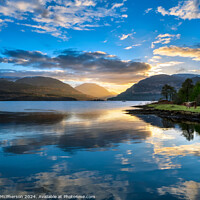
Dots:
pixel 134 45
pixel 175 27
pixel 125 16
pixel 117 5
pixel 155 59
pixel 98 65
pixel 173 51
pixel 125 36
pixel 164 39
pixel 168 64
pixel 129 47
pixel 189 9
pixel 159 67
pixel 161 10
pixel 148 10
pixel 56 17
pixel 162 67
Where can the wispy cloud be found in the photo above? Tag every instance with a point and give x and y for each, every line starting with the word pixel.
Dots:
pixel 175 27
pixel 161 67
pixel 132 46
pixel 189 9
pixel 164 39
pixel 148 10
pixel 168 64
pixel 155 59
pixel 56 17
pixel 118 5
pixel 129 47
pixel 125 36
pixel 173 51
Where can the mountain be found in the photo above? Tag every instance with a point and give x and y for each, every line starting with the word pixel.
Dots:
pixel 186 75
pixel 94 90
pixel 150 88
pixel 39 88
pixel 48 82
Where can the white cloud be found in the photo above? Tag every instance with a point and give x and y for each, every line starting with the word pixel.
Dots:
pixel 125 16
pixel 85 3
pixel 117 5
pixel 163 67
pixel 148 10
pixel 161 10
pixel 124 36
pixel 175 27
pixel 164 39
pixel 127 48
pixel 185 9
pixel 134 45
pixel 56 18
pixel 168 64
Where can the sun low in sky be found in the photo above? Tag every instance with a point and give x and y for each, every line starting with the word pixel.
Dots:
pixel 112 43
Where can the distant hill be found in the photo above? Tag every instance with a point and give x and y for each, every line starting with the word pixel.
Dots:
pixel 150 88
pixel 94 90
pixel 39 88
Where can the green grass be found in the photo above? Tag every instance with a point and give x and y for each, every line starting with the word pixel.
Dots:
pixel 174 107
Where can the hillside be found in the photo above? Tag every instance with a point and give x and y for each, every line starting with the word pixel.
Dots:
pixel 94 90
pixel 150 88
pixel 39 88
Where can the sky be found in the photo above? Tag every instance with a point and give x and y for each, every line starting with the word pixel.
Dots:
pixel 113 43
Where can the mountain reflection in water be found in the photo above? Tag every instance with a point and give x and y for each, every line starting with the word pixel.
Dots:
pixel 104 152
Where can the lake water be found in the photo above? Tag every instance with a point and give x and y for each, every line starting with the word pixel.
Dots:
pixel 96 149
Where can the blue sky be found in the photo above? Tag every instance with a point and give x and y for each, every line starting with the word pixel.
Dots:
pixel 132 39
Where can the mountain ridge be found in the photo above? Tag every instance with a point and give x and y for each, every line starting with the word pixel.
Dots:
pixel 94 90
pixel 150 88
pixel 39 88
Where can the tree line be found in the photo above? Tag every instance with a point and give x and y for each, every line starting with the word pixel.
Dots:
pixel 188 92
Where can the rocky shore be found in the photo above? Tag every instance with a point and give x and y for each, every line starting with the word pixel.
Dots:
pixel 173 115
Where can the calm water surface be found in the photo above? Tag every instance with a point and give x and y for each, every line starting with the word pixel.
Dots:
pixel 95 148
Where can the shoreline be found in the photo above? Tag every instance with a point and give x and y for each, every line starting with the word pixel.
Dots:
pixel 174 115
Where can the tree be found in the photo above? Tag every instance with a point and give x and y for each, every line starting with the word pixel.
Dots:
pixel 172 93
pixel 164 91
pixel 195 91
pixel 168 92
pixel 187 87
pixel 195 96
pixel 185 92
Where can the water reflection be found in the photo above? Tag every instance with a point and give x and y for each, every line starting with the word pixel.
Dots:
pixel 60 181
pixel 70 132
pixel 107 153
pixel 189 129
pixel 40 118
pixel 185 190
pixel 167 142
